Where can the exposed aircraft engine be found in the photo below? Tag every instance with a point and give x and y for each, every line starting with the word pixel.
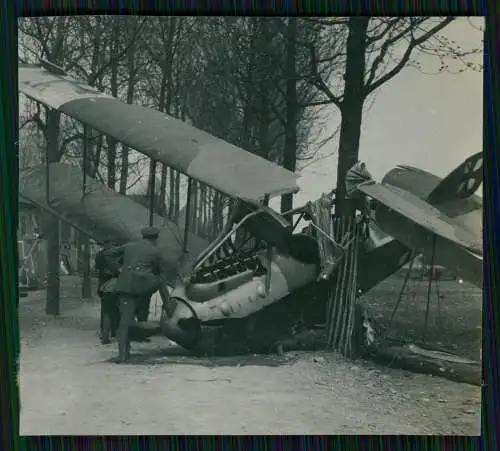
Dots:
pixel 223 276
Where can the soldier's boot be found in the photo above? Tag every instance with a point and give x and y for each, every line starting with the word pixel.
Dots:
pixel 127 310
pixel 104 324
pixel 114 327
pixel 124 350
pixel 115 318
pixel 106 329
pixel 123 346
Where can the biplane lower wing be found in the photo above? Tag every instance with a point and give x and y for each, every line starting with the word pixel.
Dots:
pixel 102 212
pixel 377 264
pixel 419 226
pixel 177 144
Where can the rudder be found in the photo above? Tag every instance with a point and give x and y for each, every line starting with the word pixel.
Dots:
pixel 461 183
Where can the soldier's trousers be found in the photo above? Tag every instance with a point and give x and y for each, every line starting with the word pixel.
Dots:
pixel 128 306
pixel 142 308
pixel 110 316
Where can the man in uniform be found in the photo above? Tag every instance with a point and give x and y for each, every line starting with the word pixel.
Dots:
pixel 108 269
pixel 138 280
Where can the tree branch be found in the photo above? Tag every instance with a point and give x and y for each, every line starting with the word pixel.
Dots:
pixel 316 80
pixel 36 118
pixel 331 58
pixel 315 103
pixel 390 24
pixel 275 139
pixel 321 85
pixel 116 58
pixel 414 42
pixel 67 141
pixel 385 48
pixel 327 22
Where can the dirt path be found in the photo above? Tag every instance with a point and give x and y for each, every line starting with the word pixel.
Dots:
pixel 68 386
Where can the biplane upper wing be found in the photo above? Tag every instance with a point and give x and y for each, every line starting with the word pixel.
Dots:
pixel 197 154
pixel 102 212
pixel 422 214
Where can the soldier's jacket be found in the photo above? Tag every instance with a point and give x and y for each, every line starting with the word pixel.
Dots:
pixel 107 266
pixel 141 269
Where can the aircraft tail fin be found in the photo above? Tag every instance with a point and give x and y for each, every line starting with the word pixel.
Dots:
pixel 461 183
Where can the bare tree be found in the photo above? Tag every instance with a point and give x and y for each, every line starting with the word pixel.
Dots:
pixel 49 38
pixel 245 85
pixel 64 41
pixel 375 51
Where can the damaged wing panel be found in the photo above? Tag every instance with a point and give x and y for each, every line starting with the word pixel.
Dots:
pixel 197 154
pixel 422 214
pixel 102 212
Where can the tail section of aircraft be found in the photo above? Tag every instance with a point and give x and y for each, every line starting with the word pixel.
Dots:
pixel 461 183
pixel 416 181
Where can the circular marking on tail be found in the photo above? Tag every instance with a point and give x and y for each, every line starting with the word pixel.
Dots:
pixel 471 177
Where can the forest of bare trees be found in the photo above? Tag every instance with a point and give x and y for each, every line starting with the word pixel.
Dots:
pixel 261 83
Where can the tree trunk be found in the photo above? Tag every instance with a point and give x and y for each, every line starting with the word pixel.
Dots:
pixel 163 180
pixel 264 128
pixel 351 108
pixel 202 211
pixel 163 191
pixel 65 232
pixel 171 198
pixel 79 252
pixel 264 113
pixel 193 212
pixel 112 143
pixel 96 160
pixel 177 190
pixel 52 306
pixel 130 97
pixel 351 111
pixel 111 169
pixel 290 151
pixel 124 170
pixel 91 170
pixel 217 213
pixel 164 105
pixel 86 276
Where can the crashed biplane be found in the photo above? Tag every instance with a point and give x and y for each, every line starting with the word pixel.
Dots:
pixel 255 280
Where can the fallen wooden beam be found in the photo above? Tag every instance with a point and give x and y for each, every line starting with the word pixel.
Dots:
pixel 403 357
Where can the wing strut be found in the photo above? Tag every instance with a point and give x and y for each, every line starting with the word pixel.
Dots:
pixel 152 183
pixel 401 292
pixel 429 286
pixel 85 160
pixel 188 214
pixel 47 176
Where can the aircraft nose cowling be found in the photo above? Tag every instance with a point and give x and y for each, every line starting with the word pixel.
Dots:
pixel 179 323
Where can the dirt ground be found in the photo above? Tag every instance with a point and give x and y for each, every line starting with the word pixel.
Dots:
pixel 69 386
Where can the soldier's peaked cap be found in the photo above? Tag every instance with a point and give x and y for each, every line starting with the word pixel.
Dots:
pixel 150 232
